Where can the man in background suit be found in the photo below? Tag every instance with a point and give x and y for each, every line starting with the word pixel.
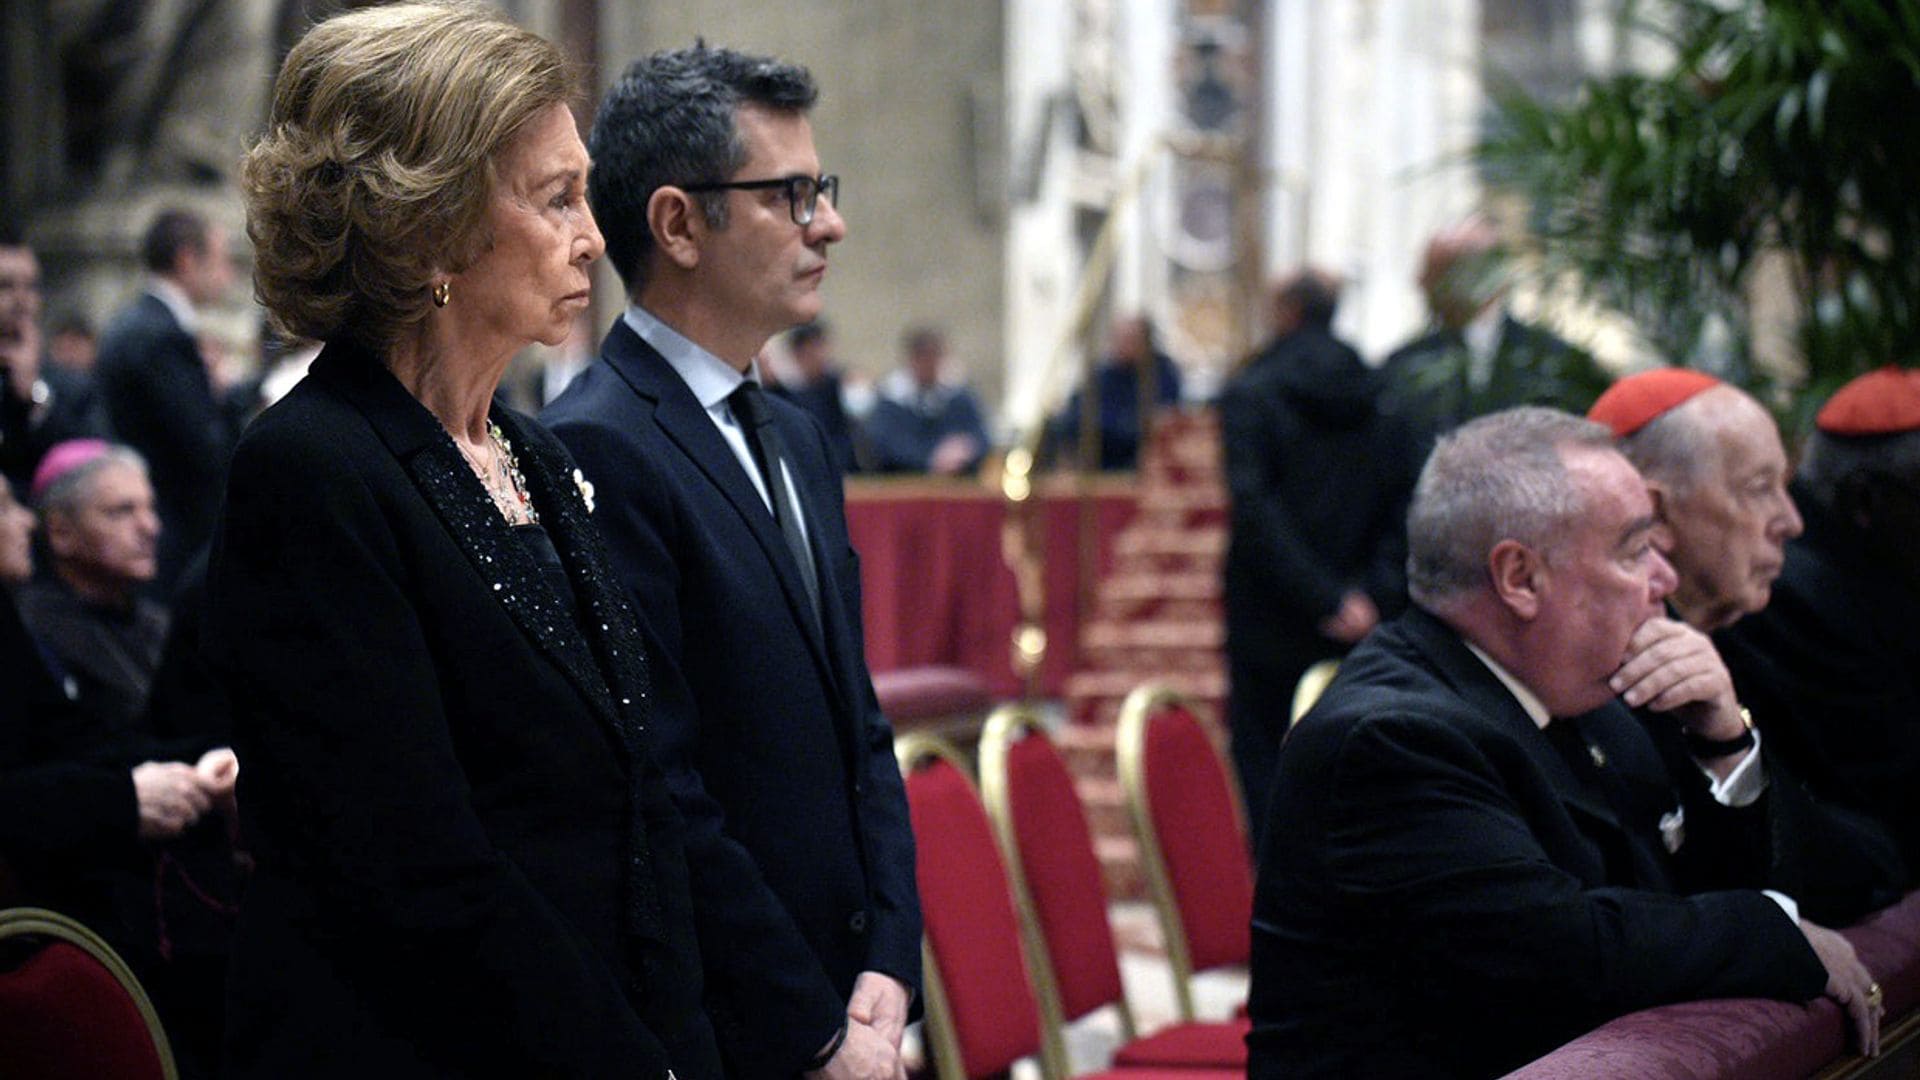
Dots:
pixel 925 420
pixel 818 387
pixel 1476 357
pixel 1484 852
pixel 724 512
pixel 159 396
pixel 41 403
pixel 1316 555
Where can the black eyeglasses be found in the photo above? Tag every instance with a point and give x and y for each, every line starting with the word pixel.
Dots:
pixel 803 192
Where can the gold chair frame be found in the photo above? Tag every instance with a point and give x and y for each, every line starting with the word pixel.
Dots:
pixel 1006 726
pixel 32 921
pixel 1140 706
pixel 910 751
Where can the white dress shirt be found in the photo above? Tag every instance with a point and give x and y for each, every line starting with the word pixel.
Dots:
pixel 713 381
pixel 1742 786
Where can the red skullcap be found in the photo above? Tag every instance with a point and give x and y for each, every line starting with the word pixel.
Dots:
pixel 1884 402
pixel 62 459
pixel 1637 400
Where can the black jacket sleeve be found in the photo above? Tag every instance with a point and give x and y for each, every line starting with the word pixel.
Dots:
pixel 1428 836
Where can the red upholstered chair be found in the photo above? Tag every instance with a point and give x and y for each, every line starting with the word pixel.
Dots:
pixel 1063 900
pixel 1192 834
pixel 982 1015
pixel 69 1006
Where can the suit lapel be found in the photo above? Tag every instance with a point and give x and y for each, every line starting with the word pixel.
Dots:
pixel 1475 682
pixel 687 425
pixel 434 464
pixel 612 633
pixel 613 636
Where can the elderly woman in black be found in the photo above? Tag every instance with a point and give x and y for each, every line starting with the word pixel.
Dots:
pixel 467 863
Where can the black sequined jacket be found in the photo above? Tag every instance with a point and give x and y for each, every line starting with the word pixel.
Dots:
pixel 468 863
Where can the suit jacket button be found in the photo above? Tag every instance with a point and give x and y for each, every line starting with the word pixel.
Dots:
pixel 857 922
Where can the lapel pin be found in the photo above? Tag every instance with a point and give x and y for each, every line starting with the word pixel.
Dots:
pixel 586 488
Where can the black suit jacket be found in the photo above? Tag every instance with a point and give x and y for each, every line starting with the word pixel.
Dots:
pixel 66 808
pixel 1831 670
pixel 799 842
pixel 467 864
pixel 1319 477
pixel 1429 384
pixel 1453 894
pixel 159 400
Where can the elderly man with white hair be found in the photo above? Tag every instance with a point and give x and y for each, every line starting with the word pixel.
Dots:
pixel 97 515
pixel 1809 594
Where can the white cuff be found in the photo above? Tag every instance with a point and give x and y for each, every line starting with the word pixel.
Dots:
pixel 1746 783
pixel 1786 904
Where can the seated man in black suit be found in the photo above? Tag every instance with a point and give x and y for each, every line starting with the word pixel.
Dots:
pixel 96 507
pixel 100 824
pixel 923 422
pixel 1484 853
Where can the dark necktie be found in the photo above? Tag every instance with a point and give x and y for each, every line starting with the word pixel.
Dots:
pixel 770 453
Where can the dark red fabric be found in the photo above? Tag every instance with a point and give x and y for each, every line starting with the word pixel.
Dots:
pixel 1888 942
pixel 1063 877
pixel 930 693
pixel 935 588
pixel 1192 1045
pixel 1154 1075
pixel 1200 839
pixel 63 1015
pixel 970 922
pixel 1747 1038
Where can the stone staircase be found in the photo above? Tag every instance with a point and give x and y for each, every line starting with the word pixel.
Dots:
pixel 1156 616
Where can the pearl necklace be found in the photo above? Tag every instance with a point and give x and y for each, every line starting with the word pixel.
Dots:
pixel 500 475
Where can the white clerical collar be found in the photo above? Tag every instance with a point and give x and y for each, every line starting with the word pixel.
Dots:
pixel 1528 701
pixel 710 378
pixel 177 302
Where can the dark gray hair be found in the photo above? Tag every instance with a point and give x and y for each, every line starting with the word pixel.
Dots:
pixel 1497 478
pixel 171 232
pixel 670 121
pixel 67 493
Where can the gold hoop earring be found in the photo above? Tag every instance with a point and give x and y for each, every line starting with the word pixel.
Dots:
pixel 442 292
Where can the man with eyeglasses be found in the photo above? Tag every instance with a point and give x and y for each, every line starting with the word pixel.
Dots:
pixel 724 513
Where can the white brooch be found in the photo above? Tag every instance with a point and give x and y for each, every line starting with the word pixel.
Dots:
pixel 586 488
pixel 1673 829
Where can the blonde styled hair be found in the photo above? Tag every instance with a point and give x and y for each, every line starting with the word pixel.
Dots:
pixel 376 170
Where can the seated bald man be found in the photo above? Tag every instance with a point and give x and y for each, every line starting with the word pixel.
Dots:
pixel 1813 666
pixel 1485 853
